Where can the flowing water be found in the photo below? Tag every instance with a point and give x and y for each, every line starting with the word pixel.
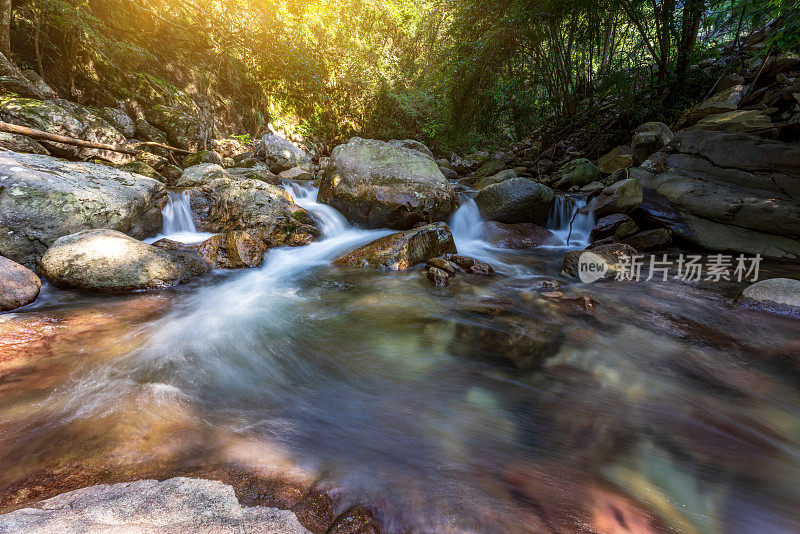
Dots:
pixel 571 222
pixel 482 407
pixel 178 221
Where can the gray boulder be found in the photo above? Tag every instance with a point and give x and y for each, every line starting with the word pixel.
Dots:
pixel 20 143
pixel 66 118
pixel 384 185
pixel 623 197
pixel 184 130
pixel 43 198
pixel 517 200
pixel 201 174
pixel 119 120
pixel 282 155
pixel 648 139
pixel 110 261
pixel 578 172
pixel 173 506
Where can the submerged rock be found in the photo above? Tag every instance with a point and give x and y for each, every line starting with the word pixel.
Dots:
pixel 518 200
pixel 383 185
pixel 43 198
pixel 402 250
pixel 170 506
pixel 518 236
pixel 281 155
pixel 775 294
pixel 109 261
pixel 19 286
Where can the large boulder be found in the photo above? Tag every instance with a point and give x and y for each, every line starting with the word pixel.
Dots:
pixel 578 172
pixel 184 130
pixel 775 294
pixel 201 175
pixel 384 185
pixel 501 176
pixel 62 117
pixel 20 143
pixel 731 192
pixel 622 197
pixel 43 198
pixel 14 81
pixel 741 121
pixel 648 139
pixel 281 155
pixel 18 285
pixel 722 102
pixel 402 250
pixel 110 261
pixel 120 120
pixel 620 157
pixel 517 200
pixel 226 205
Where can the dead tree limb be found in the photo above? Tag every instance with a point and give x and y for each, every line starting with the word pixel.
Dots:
pixel 55 138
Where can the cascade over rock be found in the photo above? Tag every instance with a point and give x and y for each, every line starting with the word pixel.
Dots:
pixel 402 250
pixel 386 185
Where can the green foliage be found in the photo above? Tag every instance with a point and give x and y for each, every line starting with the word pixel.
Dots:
pixel 453 73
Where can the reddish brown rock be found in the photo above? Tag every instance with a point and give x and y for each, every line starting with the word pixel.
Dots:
pixel 19 286
pixel 518 236
pixel 233 250
pixel 438 277
pixel 356 520
pixel 402 250
pixel 315 512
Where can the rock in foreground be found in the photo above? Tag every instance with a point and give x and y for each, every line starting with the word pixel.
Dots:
pixel 109 261
pixel 43 198
pixel 386 185
pixel 177 505
pixel 18 286
pixel 775 294
pixel 402 250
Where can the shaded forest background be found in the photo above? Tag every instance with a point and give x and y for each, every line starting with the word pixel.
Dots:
pixel 456 74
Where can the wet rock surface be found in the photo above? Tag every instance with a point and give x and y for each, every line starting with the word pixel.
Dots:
pixel 18 286
pixel 402 250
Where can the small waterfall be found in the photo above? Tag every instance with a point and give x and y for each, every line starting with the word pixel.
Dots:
pixel 178 214
pixel 570 222
pixel 178 222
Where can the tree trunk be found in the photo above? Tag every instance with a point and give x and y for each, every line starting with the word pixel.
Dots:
pixel 5 28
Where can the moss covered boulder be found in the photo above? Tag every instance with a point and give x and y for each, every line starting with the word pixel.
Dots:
pixel 384 185
pixel 579 172
pixel 109 261
pixel 183 130
pixel 61 117
pixel 517 200
pixel 402 250
pixel 43 198
pixel 226 205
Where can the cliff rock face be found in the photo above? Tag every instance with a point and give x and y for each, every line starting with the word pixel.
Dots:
pixel 729 191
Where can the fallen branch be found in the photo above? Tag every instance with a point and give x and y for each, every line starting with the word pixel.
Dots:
pixel 55 138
